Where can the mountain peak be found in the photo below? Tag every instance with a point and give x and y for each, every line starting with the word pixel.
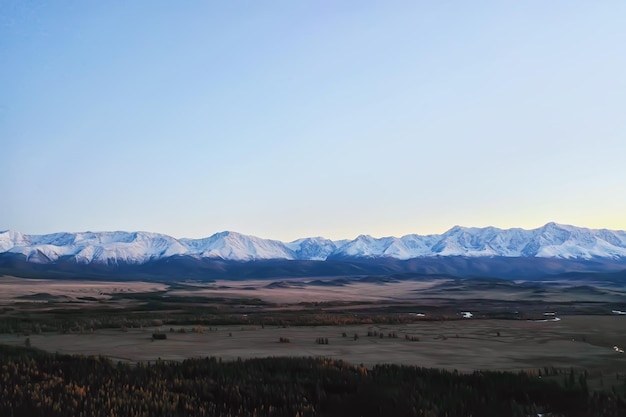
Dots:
pixel 554 225
pixel 456 229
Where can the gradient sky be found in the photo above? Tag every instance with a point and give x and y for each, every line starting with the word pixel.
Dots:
pixel 285 119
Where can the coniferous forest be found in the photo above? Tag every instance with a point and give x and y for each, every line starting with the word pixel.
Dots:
pixel 36 383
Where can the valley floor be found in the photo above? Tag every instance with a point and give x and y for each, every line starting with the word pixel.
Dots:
pixel 369 321
pixel 580 342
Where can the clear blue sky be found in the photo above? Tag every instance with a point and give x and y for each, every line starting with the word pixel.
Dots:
pixel 285 119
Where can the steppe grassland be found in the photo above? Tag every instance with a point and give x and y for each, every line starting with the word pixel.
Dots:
pixel 575 341
pixel 578 341
pixel 12 288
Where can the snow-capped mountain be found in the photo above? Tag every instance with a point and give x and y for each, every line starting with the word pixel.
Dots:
pixel 89 247
pixel 313 248
pixel 550 241
pixel 237 247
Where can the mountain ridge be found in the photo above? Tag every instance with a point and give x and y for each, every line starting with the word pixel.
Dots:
pixel 552 240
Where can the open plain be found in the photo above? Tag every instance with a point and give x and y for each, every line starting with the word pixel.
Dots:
pixel 369 321
pixel 575 341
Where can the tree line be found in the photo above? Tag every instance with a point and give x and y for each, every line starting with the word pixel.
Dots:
pixel 35 383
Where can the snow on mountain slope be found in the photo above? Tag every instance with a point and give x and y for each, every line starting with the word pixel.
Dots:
pixel 549 241
pixel 137 247
pixel 237 247
pixel 103 247
pixel 313 248
pixel 365 246
pixel 563 241
pixel 10 239
pixel 406 247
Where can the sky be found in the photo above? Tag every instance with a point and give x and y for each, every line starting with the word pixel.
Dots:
pixel 286 119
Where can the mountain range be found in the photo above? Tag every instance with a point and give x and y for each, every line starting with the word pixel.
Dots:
pixel 550 241
pixel 545 245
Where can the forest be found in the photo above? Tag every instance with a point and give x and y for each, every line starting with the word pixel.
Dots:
pixel 37 383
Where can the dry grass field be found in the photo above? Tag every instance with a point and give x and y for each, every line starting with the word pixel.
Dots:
pixel 14 289
pixel 575 341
